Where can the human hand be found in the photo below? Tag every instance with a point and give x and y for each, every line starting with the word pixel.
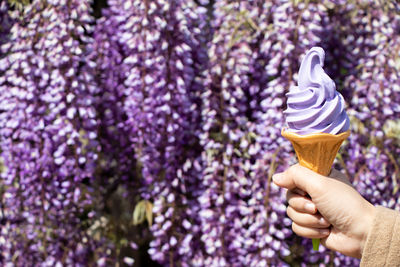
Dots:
pixel 328 208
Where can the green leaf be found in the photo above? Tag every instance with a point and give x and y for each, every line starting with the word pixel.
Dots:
pixel 139 212
pixel 18 4
pixel 149 212
pixel 252 136
pixel 391 128
pixel 143 211
pixel 123 242
pixel 343 71
pixel 237 152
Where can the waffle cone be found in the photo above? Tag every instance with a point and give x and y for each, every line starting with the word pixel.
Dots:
pixel 316 151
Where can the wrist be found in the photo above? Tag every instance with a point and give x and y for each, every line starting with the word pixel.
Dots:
pixel 368 221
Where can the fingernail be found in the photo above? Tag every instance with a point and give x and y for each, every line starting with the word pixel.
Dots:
pixel 323 221
pixel 310 207
pixel 324 231
pixel 277 177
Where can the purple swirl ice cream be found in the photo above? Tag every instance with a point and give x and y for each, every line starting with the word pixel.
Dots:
pixel 314 106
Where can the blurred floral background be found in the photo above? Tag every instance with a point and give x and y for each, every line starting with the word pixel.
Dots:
pixel 146 132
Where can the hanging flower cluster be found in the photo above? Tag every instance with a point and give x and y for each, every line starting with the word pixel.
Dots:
pixel 48 135
pixel 241 212
pixel 153 56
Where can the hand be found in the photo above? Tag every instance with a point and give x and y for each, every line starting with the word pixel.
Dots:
pixel 328 208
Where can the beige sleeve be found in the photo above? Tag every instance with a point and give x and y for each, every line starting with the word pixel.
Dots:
pixel 383 242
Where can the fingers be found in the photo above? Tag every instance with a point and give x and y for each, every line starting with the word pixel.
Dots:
pixel 300 203
pixel 310 232
pixel 303 212
pixel 300 177
pixel 306 219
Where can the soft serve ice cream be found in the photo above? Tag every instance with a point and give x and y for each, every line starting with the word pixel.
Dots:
pixel 314 106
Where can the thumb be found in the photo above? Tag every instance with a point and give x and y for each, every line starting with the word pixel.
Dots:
pixel 300 177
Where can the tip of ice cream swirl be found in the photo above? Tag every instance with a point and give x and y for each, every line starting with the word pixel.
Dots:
pixel 314 106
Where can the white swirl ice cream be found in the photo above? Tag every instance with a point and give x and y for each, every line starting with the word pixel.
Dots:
pixel 314 106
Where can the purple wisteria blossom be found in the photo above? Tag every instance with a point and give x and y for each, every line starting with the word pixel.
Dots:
pixel 153 62
pixel 243 213
pixel 106 58
pixel 48 135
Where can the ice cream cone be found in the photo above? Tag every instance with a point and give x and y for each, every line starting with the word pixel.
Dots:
pixel 316 151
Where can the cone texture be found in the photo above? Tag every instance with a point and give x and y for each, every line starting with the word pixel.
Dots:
pixel 316 151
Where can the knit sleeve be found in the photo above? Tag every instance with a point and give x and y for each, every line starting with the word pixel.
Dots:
pixel 382 247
